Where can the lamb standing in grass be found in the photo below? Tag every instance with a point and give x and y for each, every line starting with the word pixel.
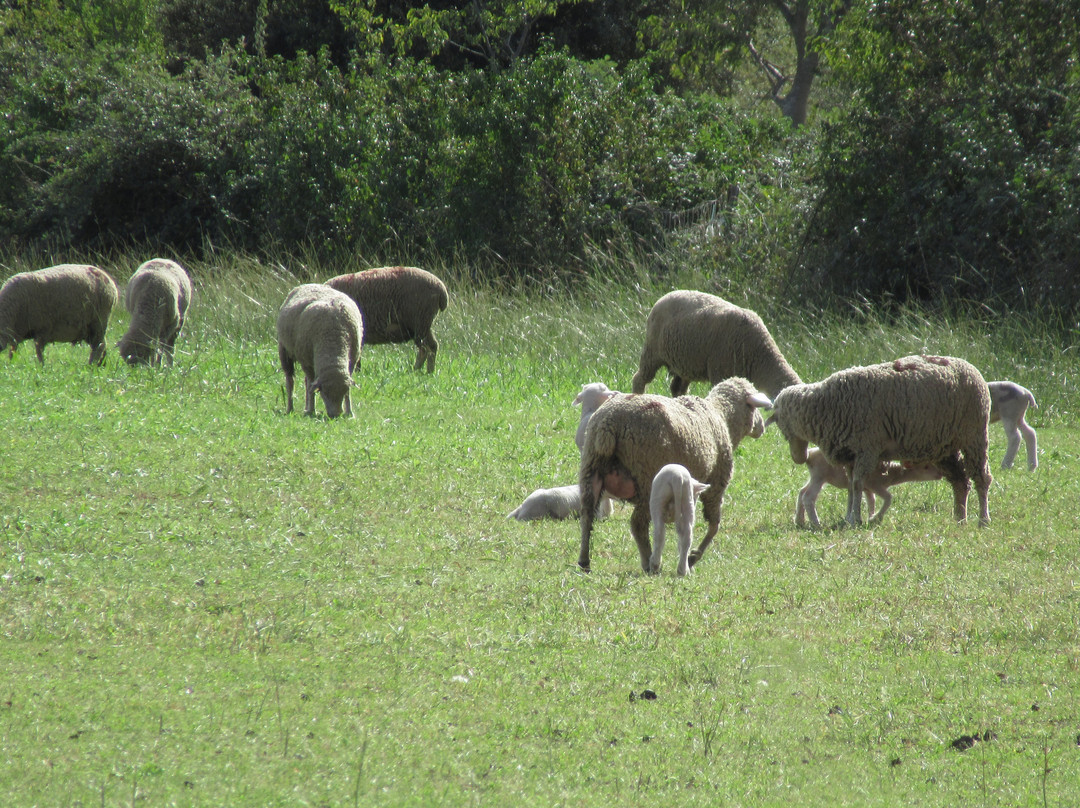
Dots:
pixel 157 297
pixel 632 437
pixel 321 329
pixel 1008 403
pixel 673 497
pixel 880 480
pixel 64 303
pixel 919 409
pixel 398 304
pixel 701 337
pixel 590 398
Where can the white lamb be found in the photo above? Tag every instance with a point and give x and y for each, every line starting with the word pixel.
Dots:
pixel 565 501
pixel 590 398
pixel 878 482
pixel 673 499
pixel 1008 403
pixel 556 503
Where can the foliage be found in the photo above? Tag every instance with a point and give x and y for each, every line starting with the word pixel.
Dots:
pixel 953 170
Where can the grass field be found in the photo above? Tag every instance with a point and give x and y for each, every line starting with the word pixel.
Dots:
pixel 205 602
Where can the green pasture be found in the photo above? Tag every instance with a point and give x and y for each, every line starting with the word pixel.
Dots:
pixel 205 602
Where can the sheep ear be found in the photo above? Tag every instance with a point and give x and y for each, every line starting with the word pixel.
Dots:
pixel 759 400
pixel 771 419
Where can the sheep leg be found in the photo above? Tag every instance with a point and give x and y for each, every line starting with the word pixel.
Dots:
pixel 710 509
pixel 806 506
pixel 659 539
pixel 1013 436
pixel 309 395
pixel 953 471
pixel 639 529
pixel 428 347
pixel 39 347
pixel 590 494
pixel 647 367
pixel 679 385
pixel 863 466
pixel 886 501
pixel 1032 444
pixel 978 470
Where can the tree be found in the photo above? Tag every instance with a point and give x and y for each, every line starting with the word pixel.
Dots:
pixel 808 23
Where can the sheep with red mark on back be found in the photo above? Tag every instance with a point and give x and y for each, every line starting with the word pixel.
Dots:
pixel 631 437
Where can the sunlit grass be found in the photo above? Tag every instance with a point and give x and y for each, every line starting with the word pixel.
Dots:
pixel 206 602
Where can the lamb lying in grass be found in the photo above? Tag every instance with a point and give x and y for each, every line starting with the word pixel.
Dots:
pixel 556 503
pixel 565 501
pixel 878 482
pixel 1008 403
pixel 673 499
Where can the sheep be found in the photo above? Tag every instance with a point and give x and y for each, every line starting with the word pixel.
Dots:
pixel 1008 402
pixel 632 437
pixel 64 303
pixel 918 409
pixel 157 296
pixel 701 337
pixel 880 480
pixel 398 304
pixel 673 497
pixel 590 398
pixel 556 503
pixel 320 328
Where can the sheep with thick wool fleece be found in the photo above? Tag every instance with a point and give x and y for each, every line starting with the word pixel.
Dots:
pixel 157 297
pixel 917 409
pixel 674 495
pixel 878 482
pixel 1008 403
pixel 701 337
pixel 631 437
pixel 320 328
pixel 64 303
pixel 398 304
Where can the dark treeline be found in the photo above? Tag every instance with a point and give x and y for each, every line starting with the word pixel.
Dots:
pixel 894 151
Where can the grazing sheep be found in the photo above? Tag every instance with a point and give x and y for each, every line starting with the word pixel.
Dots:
pixel 919 409
pixel 1008 403
pixel 701 337
pixel 398 304
pixel 590 398
pixel 64 303
pixel 880 480
pixel 320 328
pixel 556 503
pixel 157 296
pixel 674 495
pixel 632 437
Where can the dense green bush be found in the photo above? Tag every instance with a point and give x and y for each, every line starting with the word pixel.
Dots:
pixel 953 173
